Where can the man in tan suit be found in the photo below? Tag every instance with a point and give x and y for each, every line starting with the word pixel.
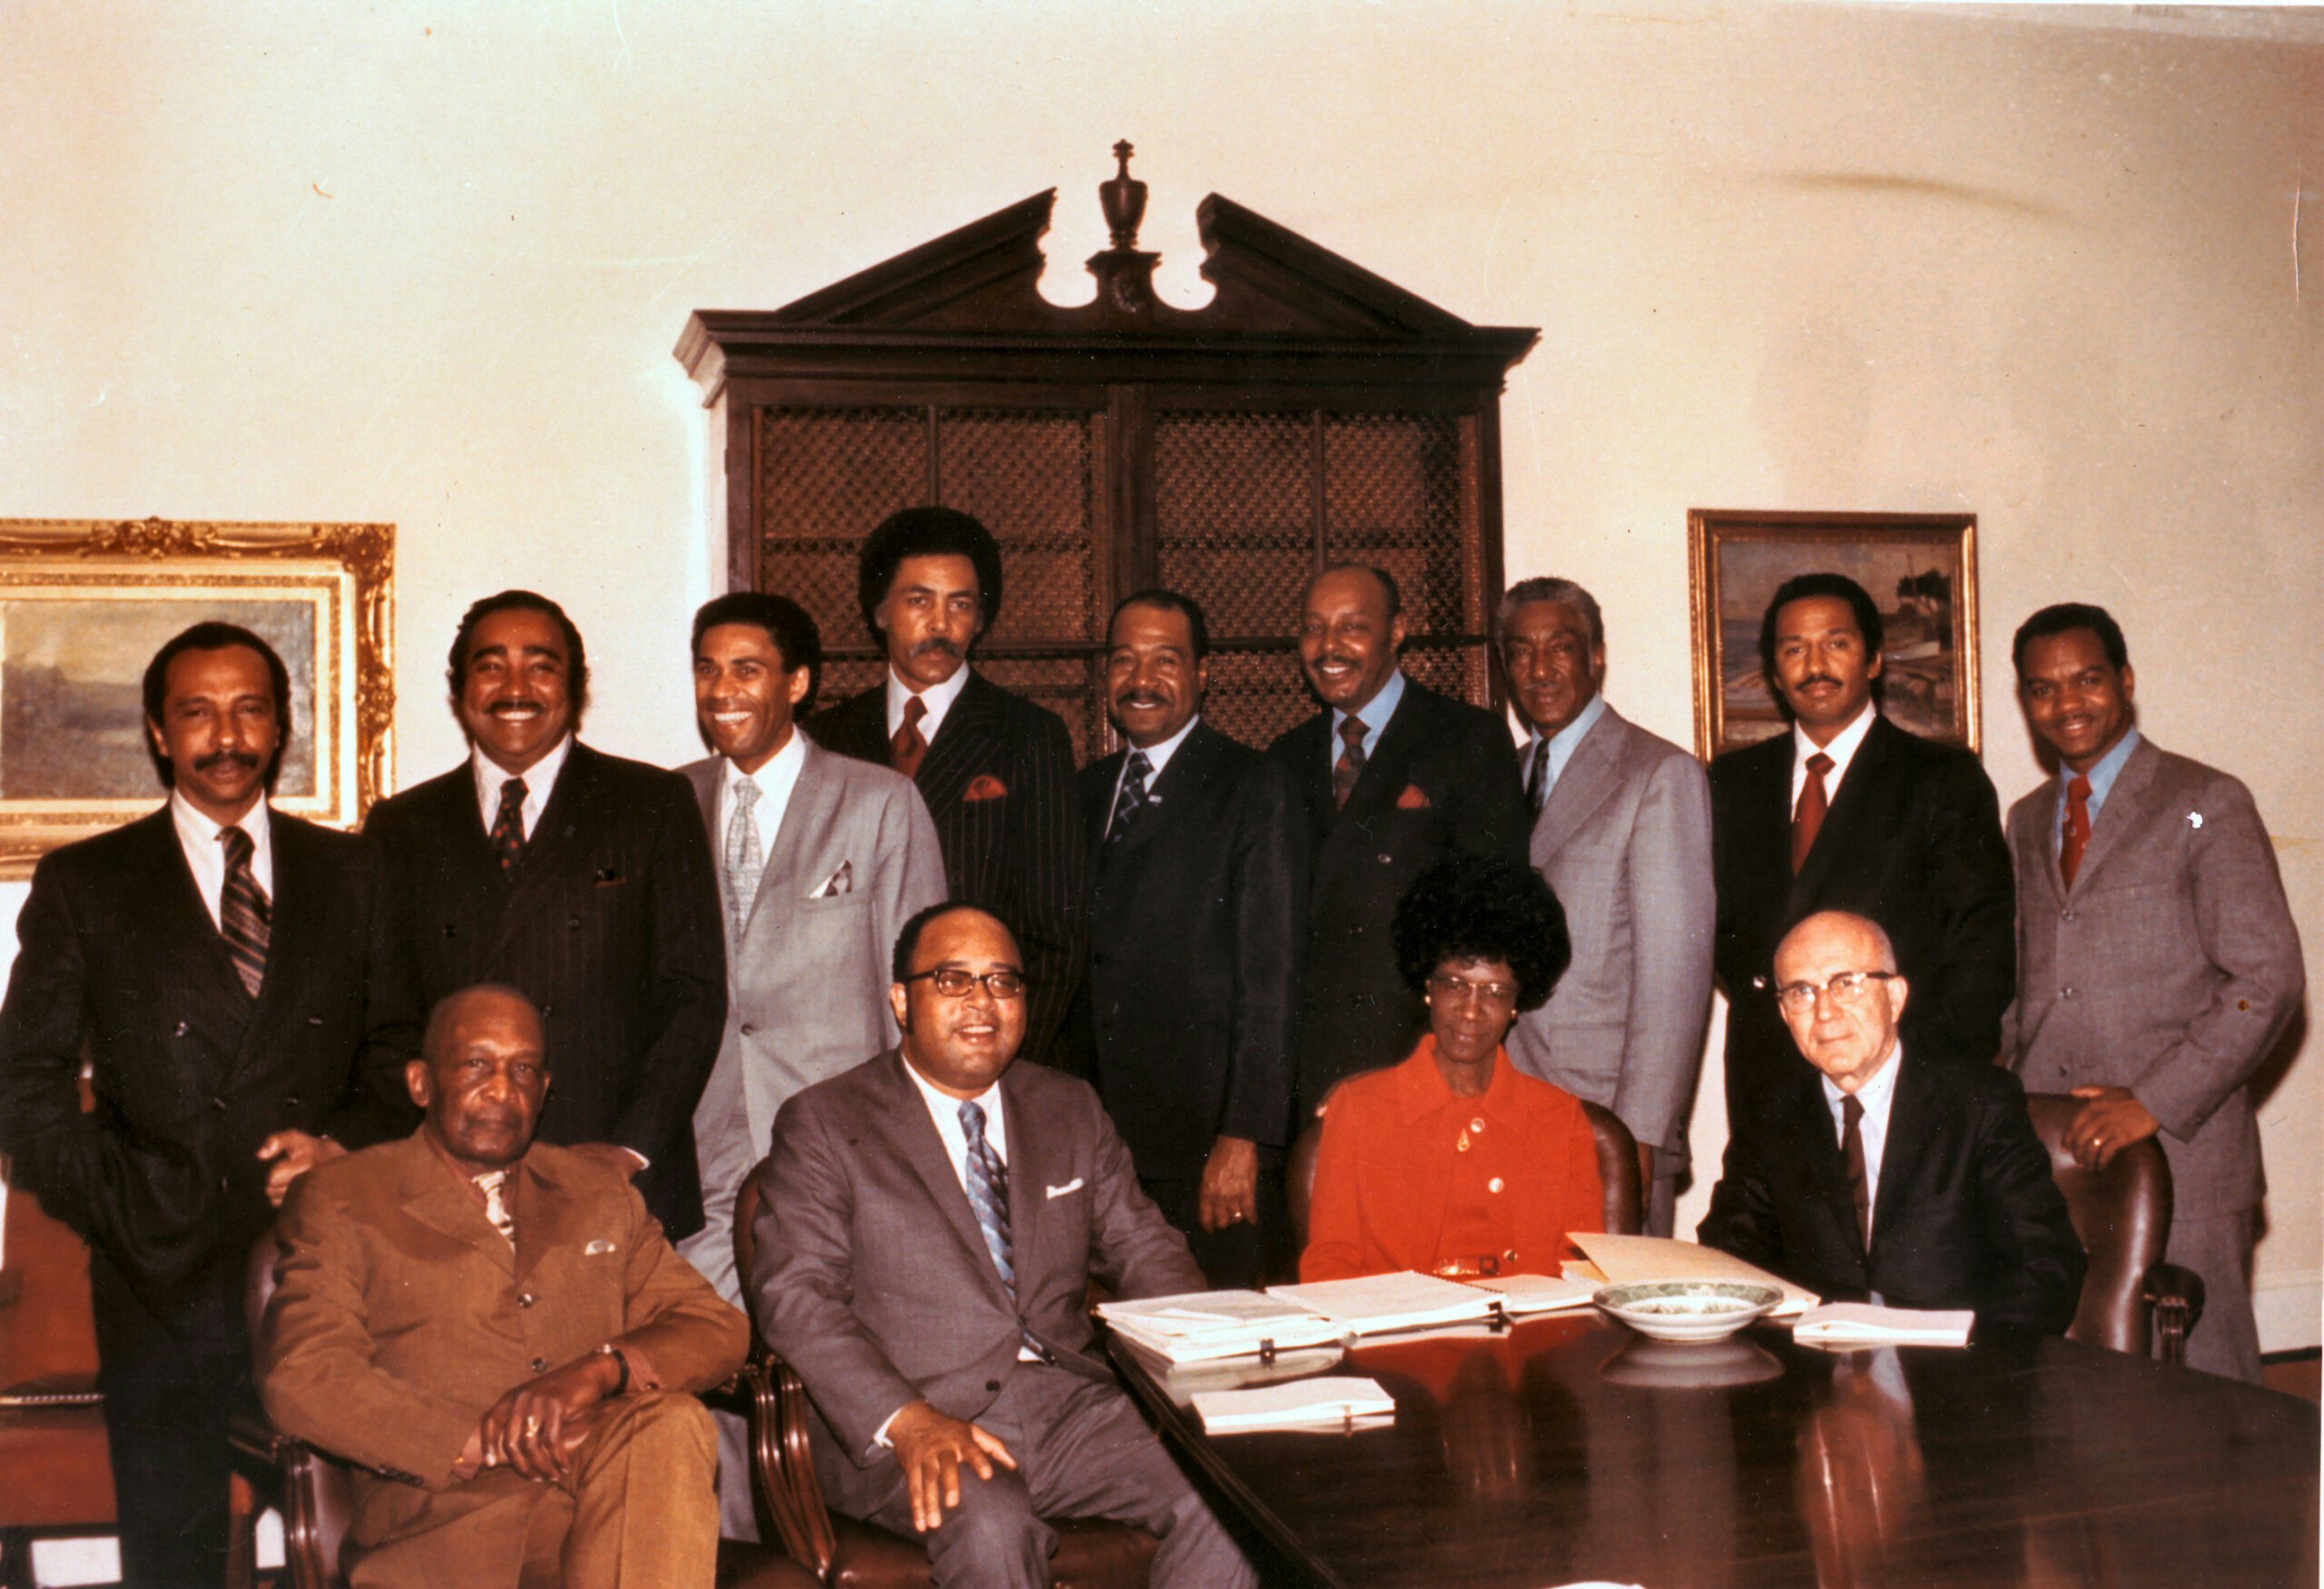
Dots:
pixel 497 1331
pixel 2158 959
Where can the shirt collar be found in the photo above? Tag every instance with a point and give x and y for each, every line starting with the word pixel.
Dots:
pixel 937 697
pixel 196 831
pixel 1431 1093
pixel 2108 768
pixel 1562 743
pixel 1876 1095
pixel 1377 710
pixel 942 1105
pixel 539 778
pixel 1158 757
pixel 779 770
pixel 1842 750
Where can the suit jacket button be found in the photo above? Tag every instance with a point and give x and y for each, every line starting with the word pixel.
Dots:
pixel 992 1385
pixel 219 1103
pixel 540 1364
pixel 290 1101
pixel 2065 992
pixel 747 1029
pixel 2069 916
pixel 1387 860
pixel 573 924
pixel 547 1010
pixel 182 1029
pixel 526 1299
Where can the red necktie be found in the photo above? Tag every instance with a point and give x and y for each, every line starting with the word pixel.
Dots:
pixel 1351 762
pixel 909 746
pixel 2076 837
pixel 1809 819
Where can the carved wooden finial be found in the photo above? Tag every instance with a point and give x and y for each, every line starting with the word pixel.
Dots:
pixel 1123 200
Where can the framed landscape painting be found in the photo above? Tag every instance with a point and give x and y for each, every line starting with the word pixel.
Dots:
pixel 1919 569
pixel 84 607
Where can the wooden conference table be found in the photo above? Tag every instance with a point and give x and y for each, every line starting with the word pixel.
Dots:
pixel 1570 1449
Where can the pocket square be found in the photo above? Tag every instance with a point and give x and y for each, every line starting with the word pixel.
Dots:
pixel 599 1246
pixel 985 787
pixel 1071 1186
pixel 1414 798
pixel 839 883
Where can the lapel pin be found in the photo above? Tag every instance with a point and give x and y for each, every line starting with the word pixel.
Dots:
pixel 2194 819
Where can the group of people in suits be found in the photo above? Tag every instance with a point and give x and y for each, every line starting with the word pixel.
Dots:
pixel 1441 943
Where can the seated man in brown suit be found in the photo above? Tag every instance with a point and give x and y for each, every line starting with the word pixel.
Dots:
pixel 497 1331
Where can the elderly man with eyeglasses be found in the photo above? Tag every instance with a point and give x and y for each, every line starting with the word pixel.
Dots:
pixel 1867 1172
pixel 931 1224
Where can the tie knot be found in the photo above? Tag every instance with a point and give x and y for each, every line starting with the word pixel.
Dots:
pixel 2079 790
pixel 491 1181
pixel 1140 765
pixel 1851 1109
pixel 1353 731
pixel 513 791
pixel 745 792
pixel 972 1123
pixel 1819 763
pixel 240 847
pixel 914 710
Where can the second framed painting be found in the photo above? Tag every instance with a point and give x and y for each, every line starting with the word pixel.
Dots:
pixel 1920 570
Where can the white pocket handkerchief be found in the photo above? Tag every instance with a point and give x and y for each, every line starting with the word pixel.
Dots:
pixel 596 1247
pixel 1071 1186
pixel 839 883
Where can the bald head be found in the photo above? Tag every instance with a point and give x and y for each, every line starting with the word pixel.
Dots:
pixel 1838 987
pixel 482 1076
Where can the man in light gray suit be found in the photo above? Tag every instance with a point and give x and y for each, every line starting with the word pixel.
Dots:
pixel 1622 830
pixel 2157 958
pixel 820 860
pixel 931 1223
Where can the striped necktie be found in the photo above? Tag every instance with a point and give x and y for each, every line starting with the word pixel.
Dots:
pixel 493 1184
pixel 745 857
pixel 244 917
pixel 988 1192
pixel 1351 762
pixel 1133 798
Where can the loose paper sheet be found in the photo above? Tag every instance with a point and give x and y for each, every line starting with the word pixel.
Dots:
pixel 1630 1259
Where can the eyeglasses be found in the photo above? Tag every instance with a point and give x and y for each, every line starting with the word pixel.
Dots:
pixel 1850 988
pixel 955 984
pixel 1461 987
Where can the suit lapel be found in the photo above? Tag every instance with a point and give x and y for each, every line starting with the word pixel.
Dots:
pixel 815 801
pixel 961 743
pixel 434 1196
pixel 541 869
pixel 904 1120
pixel 1105 783
pixel 1588 778
pixel 1409 731
pixel 1911 1126
pixel 299 904
pixel 1850 809
pixel 2125 804
pixel 1029 1173
pixel 184 921
pixel 2040 842
pixel 1173 793
pixel 547 1221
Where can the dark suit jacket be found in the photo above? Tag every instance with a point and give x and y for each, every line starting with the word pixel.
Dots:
pixel 873 1280
pixel 1443 778
pixel 1913 840
pixel 1195 920
pixel 998 779
pixel 610 924
pixel 1966 1214
pixel 119 957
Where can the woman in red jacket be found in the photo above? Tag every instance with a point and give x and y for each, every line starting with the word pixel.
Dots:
pixel 1456 1162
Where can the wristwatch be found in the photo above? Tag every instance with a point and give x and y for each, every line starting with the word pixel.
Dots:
pixel 614 1352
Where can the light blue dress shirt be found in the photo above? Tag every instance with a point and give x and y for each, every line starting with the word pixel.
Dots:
pixel 2102 779
pixel 1375 713
pixel 1563 743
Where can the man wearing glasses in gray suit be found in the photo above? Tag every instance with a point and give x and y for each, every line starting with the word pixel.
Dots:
pixel 2157 961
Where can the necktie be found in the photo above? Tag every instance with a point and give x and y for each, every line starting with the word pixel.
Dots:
pixel 2076 837
pixel 1351 762
pixel 1852 1155
pixel 909 746
pixel 243 916
pixel 988 1191
pixel 1537 780
pixel 1133 797
pixel 496 1206
pixel 508 827
pixel 745 860
pixel 1808 820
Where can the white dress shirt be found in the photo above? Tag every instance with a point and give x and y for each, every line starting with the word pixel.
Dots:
pixel 945 1111
pixel 1842 750
pixel 1375 713
pixel 937 698
pixel 1157 757
pixel 776 779
pixel 1562 744
pixel 540 782
pixel 1878 1097
pixel 198 837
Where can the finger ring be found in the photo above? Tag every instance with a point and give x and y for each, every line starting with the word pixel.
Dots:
pixel 532 1426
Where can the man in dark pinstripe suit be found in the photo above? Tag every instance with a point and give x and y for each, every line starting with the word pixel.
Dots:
pixel 995 769
pixel 581 880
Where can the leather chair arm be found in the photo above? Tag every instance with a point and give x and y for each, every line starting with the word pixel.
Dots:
pixel 785 1465
pixel 2176 1295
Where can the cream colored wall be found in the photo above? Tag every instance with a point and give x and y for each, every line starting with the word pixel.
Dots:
pixel 425 264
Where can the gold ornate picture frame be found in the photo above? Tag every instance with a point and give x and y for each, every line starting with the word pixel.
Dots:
pixel 1921 571
pixel 84 606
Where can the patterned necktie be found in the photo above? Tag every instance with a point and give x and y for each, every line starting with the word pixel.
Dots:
pixel 508 827
pixel 909 748
pixel 1852 1155
pixel 496 1206
pixel 1537 782
pixel 244 917
pixel 2076 837
pixel 1133 797
pixel 988 1192
pixel 745 860
pixel 1809 819
pixel 1351 762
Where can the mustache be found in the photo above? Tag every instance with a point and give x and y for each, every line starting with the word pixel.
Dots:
pixel 936 646
pixel 1140 698
pixel 512 705
pixel 1817 679
pixel 226 759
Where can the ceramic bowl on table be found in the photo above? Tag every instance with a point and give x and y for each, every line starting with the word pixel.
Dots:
pixel 1688 1310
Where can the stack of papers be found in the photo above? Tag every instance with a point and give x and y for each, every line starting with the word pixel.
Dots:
pixel 1627 1260
pixel 1330 1403
pixel 1200 1327
pixel 1375 1304
pixel 1861 1323
pixel 1538 1293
